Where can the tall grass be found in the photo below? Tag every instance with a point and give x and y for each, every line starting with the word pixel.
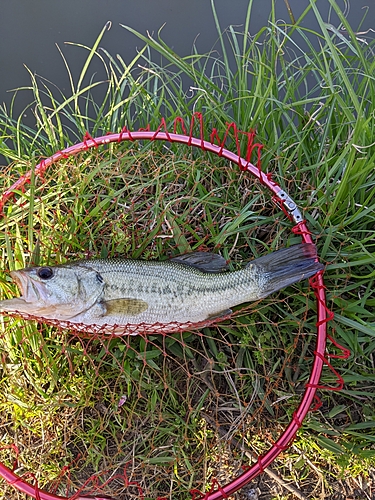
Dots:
pixel 310 96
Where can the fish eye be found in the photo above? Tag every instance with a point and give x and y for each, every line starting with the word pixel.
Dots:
pixel 45 273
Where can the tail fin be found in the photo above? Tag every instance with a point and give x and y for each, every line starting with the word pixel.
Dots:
pixel 287 266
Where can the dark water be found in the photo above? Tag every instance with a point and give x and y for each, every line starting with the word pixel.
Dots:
pixel 30 31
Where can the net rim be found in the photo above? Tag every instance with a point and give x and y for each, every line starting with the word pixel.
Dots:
pixel 290 209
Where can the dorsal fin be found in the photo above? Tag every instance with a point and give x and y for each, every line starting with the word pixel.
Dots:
pixel 204 261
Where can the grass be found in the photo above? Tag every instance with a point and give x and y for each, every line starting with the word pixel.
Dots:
pixel 310 97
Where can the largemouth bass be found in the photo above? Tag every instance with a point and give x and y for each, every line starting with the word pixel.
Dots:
pixel 185 290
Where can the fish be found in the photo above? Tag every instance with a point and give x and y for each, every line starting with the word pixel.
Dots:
pixel 191 289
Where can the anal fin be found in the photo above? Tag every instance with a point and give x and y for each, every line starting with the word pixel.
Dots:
pixel 220 314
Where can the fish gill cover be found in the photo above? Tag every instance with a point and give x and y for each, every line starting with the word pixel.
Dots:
pixel 145 415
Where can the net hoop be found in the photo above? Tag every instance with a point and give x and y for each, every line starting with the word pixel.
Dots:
pixel 309 400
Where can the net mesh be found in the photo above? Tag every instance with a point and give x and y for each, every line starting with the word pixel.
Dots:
pixel 160 412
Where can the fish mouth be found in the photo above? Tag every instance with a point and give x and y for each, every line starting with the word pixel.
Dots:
pixel 29 292
pixel 31 300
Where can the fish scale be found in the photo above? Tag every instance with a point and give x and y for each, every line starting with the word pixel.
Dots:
pixel 180 300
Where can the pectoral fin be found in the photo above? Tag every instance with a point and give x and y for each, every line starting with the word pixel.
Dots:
pixel 127 306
